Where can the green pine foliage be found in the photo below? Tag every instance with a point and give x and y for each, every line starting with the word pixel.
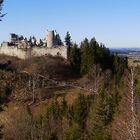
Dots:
pixel 55 109
pixel 75 58
pixel 91 53
pixel 101 115
pixel 58 40
pixel 120 64
pixel 68 41
pixel 81 109
pixel 74 133
pixel 85 57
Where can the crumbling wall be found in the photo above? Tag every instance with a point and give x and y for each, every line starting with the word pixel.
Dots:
pixel 60 51
pixel 32 52
pixel 13 51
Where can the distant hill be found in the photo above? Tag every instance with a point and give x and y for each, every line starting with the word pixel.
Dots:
pixel 125 50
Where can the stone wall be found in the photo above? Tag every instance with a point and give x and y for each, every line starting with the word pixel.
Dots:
pixel 32 52
pixel 60 51
pixel 13 51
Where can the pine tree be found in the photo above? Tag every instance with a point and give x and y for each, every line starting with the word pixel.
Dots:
pixel 58 40
pixel 101 116
pixel 93 51
pixel 81 109
pixel 55 109
pixel 64 107
pixel 74 133
pixel 75 58
pixel 68 42
pixel 120 64
pixel 77 115
pixel 85 55
pixel 94 47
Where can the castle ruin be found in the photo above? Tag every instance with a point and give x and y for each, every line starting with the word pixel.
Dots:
pixel 24 48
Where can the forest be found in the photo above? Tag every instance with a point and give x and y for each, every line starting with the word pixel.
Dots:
pixel 91 95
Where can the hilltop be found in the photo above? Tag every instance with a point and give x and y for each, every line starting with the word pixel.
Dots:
pixel 50 97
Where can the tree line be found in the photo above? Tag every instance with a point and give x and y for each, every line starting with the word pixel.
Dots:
pixel 91 53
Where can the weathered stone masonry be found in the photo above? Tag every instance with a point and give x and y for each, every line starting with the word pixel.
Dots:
pixel 23 48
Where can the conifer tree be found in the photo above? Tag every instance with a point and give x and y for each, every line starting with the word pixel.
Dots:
pixel 80 111
pixel 101 116
pixel 68 43
pixel 94 47
pixel 58 39
pixel 55 109
pixel 74 133
pixel 75 58
pixel 120 64
pixel 85 56
pixel 68 40
pixel 93 51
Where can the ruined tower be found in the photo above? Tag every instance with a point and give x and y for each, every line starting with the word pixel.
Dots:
pixel 50 39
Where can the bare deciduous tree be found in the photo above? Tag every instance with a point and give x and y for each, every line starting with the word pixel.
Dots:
pixel 1 14
pixel 93 80
pixel 127 124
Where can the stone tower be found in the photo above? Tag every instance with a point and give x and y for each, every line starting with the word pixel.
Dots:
pixel 50 39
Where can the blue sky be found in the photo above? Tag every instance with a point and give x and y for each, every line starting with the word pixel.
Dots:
pixel 116 23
